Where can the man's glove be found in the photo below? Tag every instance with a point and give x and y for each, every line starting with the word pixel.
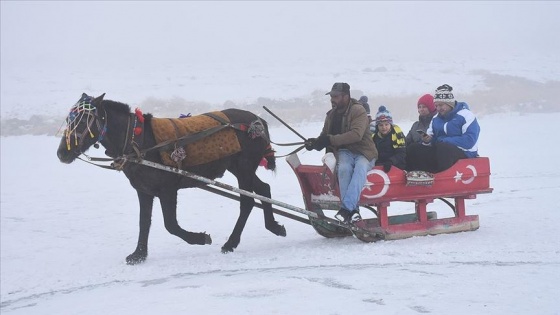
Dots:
pixel 321 142
pixel 309 143
pixel 317 143
pixel 387 166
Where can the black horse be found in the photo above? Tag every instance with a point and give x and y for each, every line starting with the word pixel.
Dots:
pixel 94 120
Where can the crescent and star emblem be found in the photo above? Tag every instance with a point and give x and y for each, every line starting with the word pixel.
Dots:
pixel 368 184
pixel 459 176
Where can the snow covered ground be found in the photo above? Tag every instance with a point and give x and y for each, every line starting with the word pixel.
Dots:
pixel 66 230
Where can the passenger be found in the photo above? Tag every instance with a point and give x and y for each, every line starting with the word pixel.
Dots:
pixel 426 110
pixel 364 101
pixel 389 140
pixel 452 135
pixel 346 132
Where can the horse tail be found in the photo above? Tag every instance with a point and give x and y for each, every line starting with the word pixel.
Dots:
pixel 269 151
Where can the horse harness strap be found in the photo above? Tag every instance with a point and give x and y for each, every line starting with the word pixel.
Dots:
pixel 137 130
pixel 134 129
pixel 179 153
pixel 225 123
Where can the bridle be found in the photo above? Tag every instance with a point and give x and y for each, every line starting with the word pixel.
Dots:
pixel 83 109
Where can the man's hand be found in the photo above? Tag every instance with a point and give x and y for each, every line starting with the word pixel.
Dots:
pixel 310 143
pixel 322 142
pixel 317 143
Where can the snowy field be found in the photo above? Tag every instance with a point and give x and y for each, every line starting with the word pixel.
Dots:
pixel 66 230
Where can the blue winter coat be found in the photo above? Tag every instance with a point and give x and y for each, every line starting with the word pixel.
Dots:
pixel 459 127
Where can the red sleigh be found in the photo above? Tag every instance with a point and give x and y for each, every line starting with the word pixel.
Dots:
pixel 464 180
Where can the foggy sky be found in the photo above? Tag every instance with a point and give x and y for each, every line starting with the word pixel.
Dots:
pixel 53 33
pixel 52 51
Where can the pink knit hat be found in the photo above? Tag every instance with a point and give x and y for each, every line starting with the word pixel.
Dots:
pixel 428 101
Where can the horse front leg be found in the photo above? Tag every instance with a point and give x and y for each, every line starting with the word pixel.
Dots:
pixel 146 204
pixel 168 203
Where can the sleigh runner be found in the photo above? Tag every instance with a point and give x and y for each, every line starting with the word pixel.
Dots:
pixel 464 180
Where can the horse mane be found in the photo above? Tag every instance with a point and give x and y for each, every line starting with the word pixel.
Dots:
pixel 122 108
pixel 117 106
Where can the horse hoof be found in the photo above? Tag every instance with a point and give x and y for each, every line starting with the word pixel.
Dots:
pixel 277 229
pixel 282 231
pixel 227 249
pixel 134 259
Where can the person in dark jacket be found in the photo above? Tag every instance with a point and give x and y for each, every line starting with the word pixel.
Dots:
pixel 346 132
pixel 426 111
pixel 451 136
pixel 364 101
pixel 389 140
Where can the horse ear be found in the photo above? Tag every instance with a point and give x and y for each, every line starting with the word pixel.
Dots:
pixel 98 99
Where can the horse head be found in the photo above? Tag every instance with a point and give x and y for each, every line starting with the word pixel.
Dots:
pixel 85 126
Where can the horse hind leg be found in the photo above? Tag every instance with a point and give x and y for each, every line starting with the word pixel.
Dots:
pixel 169 208
pixel 243 169
pixel 246 204
pixel 270 223
pixel 252 184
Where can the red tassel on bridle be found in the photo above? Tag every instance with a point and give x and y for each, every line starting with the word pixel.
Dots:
pixel 140 117
pixel 139 114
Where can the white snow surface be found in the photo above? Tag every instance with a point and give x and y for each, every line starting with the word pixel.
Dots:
pixel 66 230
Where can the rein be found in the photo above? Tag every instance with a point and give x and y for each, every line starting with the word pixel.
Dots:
pixel 290 144
pixel 293 130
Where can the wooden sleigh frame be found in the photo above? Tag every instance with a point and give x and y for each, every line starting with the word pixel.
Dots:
pixel 464 180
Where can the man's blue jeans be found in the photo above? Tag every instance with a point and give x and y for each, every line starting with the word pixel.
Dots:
pixel 352 171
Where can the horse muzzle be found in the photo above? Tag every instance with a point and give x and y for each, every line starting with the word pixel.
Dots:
pixel 65 156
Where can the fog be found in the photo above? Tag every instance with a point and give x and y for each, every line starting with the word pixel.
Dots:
pixel 109 34
pixel 214 51
pixel 282 32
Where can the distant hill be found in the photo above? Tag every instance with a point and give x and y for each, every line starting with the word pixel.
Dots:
pixel 502 93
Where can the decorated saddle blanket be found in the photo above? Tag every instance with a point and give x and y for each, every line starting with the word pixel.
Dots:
pixel 206 149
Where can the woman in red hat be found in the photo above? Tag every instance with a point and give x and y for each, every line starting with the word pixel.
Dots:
pixel 426 110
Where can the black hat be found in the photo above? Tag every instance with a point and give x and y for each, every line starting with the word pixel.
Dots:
pixel 339 88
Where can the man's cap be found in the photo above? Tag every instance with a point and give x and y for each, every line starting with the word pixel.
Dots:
pixel 339 88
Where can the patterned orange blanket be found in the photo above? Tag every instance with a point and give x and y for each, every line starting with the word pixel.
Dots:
pixel 213 147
